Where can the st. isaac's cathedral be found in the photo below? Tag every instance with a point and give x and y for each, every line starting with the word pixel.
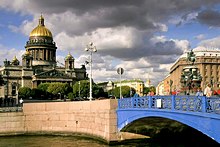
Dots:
pixel 38 65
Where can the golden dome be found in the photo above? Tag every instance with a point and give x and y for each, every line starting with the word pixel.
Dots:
pixel 41 30
pixel 69 56
pixel 27 53
pixel 14 59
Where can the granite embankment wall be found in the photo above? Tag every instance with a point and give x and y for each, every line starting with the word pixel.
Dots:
pixel 96 118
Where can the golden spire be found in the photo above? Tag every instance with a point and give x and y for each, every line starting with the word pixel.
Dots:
pixel 14 59
pixel 41 30
pixel 69 56
pixel 41 21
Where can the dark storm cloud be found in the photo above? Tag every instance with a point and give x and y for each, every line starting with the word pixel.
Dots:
pixel 140 14
pixel 162 59
pixel 163 49
pixel 209 17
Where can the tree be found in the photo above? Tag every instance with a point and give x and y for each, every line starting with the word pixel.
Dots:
pixel 59 88
pixel 84 90
pixel 24 92
pixel 149 89
pixel 125 91
pixel 36 93
pixel 83 87
pixel 98 91
pixel 43 90
pixel 43 86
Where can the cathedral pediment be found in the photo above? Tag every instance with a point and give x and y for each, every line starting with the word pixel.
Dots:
pixel 52 73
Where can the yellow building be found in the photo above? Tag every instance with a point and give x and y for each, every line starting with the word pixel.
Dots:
pixel 138 85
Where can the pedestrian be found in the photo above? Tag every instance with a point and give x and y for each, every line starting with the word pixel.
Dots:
pixel 1 101
pixel 208 91
pixel 21 102
pixel 208 94
pixel 199 92
pixel 12 102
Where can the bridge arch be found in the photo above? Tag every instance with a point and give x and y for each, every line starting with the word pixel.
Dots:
pixel 208 125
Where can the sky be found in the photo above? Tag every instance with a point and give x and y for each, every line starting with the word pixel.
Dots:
pixel 144 37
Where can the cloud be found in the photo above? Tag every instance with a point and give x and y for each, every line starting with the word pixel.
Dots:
pixel 214 42
pixel 9 54
pixel 200 37
pixel 209 17
pixel 124 31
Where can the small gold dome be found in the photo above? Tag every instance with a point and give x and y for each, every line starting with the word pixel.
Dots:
pixel 41 30
pixel 27 53
pixel 14 59
pixel 69 56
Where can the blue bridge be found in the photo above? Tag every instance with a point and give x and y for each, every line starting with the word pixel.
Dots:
pixel 200 113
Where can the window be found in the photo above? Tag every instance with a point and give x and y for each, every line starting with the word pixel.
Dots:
pixel 13 91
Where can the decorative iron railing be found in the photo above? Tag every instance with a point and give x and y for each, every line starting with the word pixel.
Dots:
pixel 10 109
pixel 173 102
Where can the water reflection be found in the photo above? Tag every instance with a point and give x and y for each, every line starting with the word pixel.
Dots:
pixel 82 141
pixel 49 141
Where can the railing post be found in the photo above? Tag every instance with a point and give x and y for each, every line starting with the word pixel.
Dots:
pixel 149 102
pixel 173 102
pixel 132 102
pixel 119 104
pixel 204 103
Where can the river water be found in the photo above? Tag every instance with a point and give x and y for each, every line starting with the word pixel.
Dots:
pixel 48 141
pixel 64 141
pixel 76 141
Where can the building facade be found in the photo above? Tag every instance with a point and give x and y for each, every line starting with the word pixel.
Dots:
pixel 208 63
pixel 138 85
pixel 38 65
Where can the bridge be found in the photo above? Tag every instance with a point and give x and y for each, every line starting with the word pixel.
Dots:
pixel 105 118
pixel 200 113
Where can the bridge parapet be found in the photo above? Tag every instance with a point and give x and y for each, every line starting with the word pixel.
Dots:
pixel 200 113
pixel 173 103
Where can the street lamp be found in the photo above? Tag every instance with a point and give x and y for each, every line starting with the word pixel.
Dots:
pixel 190 76
pixel 79 89
pixel 91 48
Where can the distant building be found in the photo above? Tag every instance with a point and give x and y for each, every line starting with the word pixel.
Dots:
pixel 138 85
pixel 160 88
pixel 208 63
pixel 38 65
pixel 148 83
pixel 106 85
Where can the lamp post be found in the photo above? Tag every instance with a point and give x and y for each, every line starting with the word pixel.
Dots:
pixel 120 71
pixel 79 89
pixel 91 48
pixel 190 76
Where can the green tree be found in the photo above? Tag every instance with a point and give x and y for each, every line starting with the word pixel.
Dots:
pixel 98 91
pixel 56 88
pixel 84 90
pixel 43 90
pixel 146 90
pixel 36 93
pixel 43 86
pixel 149 89
pixel 125 91
pixel 24 92
pixel 70 96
